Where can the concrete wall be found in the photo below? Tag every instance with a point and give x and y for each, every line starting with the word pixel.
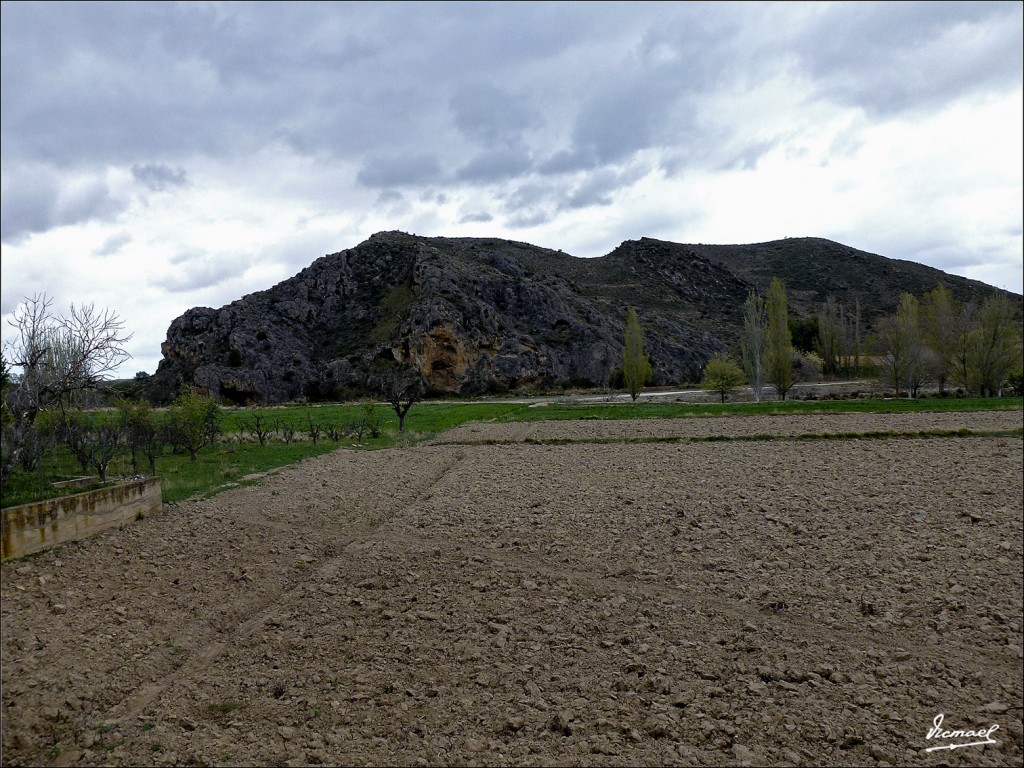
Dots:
pixel 34 527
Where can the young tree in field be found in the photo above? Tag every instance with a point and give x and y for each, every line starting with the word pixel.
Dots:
pixel 780 343
pixel 370 419
pixel 940 324
pixel 260 427
pixel 721 375
pixel 313 428
pixel 636 366
pixel 59 356
pixel 141 431
pixel 193 421
pixel 995 345
pixel 901 345
pixel 754 342
pixel 402 388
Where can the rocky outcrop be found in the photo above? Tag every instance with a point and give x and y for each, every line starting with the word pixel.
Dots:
pixel 472 315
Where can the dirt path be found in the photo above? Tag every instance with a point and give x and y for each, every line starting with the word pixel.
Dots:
pixel 692 603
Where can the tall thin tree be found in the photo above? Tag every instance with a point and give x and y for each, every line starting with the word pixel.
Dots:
pixel 780 342
pixel 829 335
pixel 939 313
pixel 901 345
pixel 636 366
pixel 754 342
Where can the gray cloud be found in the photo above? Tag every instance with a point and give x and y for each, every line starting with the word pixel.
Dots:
pixel 525 219
pixel 400 171
pixel 158 177
pixel 194 271
pixel 479 217
pixel 598 189
pixel 495 165
pixel 113 244
pixel 489 116
pixel 893 57
pixel 26 205
pixel 35 199
pixel 356 81
pixel 502 103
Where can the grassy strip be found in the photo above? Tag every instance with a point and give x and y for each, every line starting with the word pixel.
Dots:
pixel 597 411
pixel 759 437
pixel 23 488
pixel 229 465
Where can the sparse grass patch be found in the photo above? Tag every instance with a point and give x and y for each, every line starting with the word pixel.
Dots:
pixel 226 707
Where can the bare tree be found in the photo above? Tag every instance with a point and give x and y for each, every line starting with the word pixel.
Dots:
pixel 260 427
pixel 830 335
pixel 849 340
pixel 754 342
pixel 402 388
pixel 59 356
pixel 312 429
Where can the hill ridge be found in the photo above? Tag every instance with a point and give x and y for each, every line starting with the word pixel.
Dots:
pixel 477 315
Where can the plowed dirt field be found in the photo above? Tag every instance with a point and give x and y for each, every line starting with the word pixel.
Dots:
pixel 609 597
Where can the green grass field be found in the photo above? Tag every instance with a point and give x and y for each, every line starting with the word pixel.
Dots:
pixel 238 455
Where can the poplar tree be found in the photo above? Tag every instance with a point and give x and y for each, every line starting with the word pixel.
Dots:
pixel 830 335
pixel 995 345
pixel 940 316
pixel 901 347
pixel 636 367
pixel 780 342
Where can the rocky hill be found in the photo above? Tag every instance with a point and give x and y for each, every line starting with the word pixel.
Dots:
pixel 478 315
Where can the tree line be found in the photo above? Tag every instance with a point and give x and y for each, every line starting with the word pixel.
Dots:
pixel 931 340
pixel 64 361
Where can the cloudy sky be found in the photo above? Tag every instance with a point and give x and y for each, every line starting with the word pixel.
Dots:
pixel 160 156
